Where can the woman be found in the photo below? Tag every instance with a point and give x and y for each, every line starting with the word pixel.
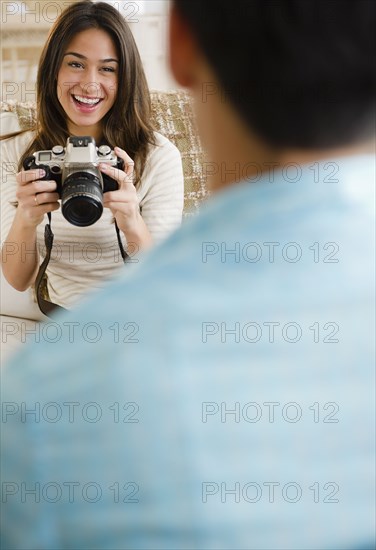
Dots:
pixel 90 83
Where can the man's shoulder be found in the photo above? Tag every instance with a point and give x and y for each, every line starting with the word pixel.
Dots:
pixel 240 228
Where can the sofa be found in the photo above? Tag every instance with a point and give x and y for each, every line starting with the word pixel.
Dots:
pixel 173 116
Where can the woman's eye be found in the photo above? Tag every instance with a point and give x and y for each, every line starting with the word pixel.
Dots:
pixel 108 69
pixel 75 64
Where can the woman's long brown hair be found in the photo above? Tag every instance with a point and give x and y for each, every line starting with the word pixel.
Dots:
pixel 127 124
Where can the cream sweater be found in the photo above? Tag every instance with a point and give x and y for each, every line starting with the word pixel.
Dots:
pixel 85 258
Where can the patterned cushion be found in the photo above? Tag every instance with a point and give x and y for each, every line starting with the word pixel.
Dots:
pixel 173 116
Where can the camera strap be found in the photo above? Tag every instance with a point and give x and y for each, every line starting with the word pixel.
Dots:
pixel 46 306
pixel 124 255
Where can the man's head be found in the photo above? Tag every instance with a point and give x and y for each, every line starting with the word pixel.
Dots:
pixel 299 74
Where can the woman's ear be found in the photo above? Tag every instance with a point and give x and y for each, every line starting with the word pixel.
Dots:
pixel 182 50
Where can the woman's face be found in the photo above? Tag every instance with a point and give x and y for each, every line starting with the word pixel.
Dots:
pixel 87 81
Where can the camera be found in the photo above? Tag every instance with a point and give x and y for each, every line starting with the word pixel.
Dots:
pixel 80 183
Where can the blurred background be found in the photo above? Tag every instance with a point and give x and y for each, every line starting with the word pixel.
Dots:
pixel 25 26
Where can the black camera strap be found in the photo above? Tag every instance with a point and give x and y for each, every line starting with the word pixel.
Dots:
pixel 47 307
pixel 124 255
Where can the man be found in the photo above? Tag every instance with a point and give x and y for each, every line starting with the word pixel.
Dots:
pixel 221 396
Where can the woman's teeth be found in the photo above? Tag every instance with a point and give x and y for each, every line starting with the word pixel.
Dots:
pixel 86 100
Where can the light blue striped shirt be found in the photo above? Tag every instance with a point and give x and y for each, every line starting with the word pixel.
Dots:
pixel 219 396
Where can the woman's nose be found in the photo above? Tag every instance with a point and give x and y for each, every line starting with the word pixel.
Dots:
pixel 90 83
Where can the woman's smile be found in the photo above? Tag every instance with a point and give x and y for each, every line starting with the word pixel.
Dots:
pixel 88 101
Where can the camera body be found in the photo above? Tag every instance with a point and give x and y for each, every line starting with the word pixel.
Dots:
pixel 80 183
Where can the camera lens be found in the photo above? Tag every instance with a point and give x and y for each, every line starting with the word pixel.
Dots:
pixel 82 199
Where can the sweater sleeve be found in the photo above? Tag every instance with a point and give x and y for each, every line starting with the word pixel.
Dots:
pixel 11 151
pixel 161 192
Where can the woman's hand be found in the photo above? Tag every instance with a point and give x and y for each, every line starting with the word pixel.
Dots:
pixel 124 203
pixel 35 197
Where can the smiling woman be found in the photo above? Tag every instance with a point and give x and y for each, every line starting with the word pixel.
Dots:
pixel 90 83
pixel 87 81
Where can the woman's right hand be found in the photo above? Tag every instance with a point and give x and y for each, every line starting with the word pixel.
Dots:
pixel 35 197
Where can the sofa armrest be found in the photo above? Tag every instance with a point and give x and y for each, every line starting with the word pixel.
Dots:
pixel 18 304
pixel 9 123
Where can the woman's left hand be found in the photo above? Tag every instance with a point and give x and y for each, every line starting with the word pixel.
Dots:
pixel 124 203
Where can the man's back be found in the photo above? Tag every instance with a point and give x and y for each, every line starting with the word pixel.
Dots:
pixel 224 395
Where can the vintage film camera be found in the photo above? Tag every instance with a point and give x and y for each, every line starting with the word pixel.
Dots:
pixel 80 183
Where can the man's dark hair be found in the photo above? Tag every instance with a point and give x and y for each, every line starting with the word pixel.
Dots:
pixel 301 73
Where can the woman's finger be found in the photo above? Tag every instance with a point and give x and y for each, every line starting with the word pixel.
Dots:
pixel 121 195
pixel 44 186
pixel 124 180
pixel 24 192
pixel 44 198
pixel 26 176
pixel 124 177
pixel 128 162
pixel 44 208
